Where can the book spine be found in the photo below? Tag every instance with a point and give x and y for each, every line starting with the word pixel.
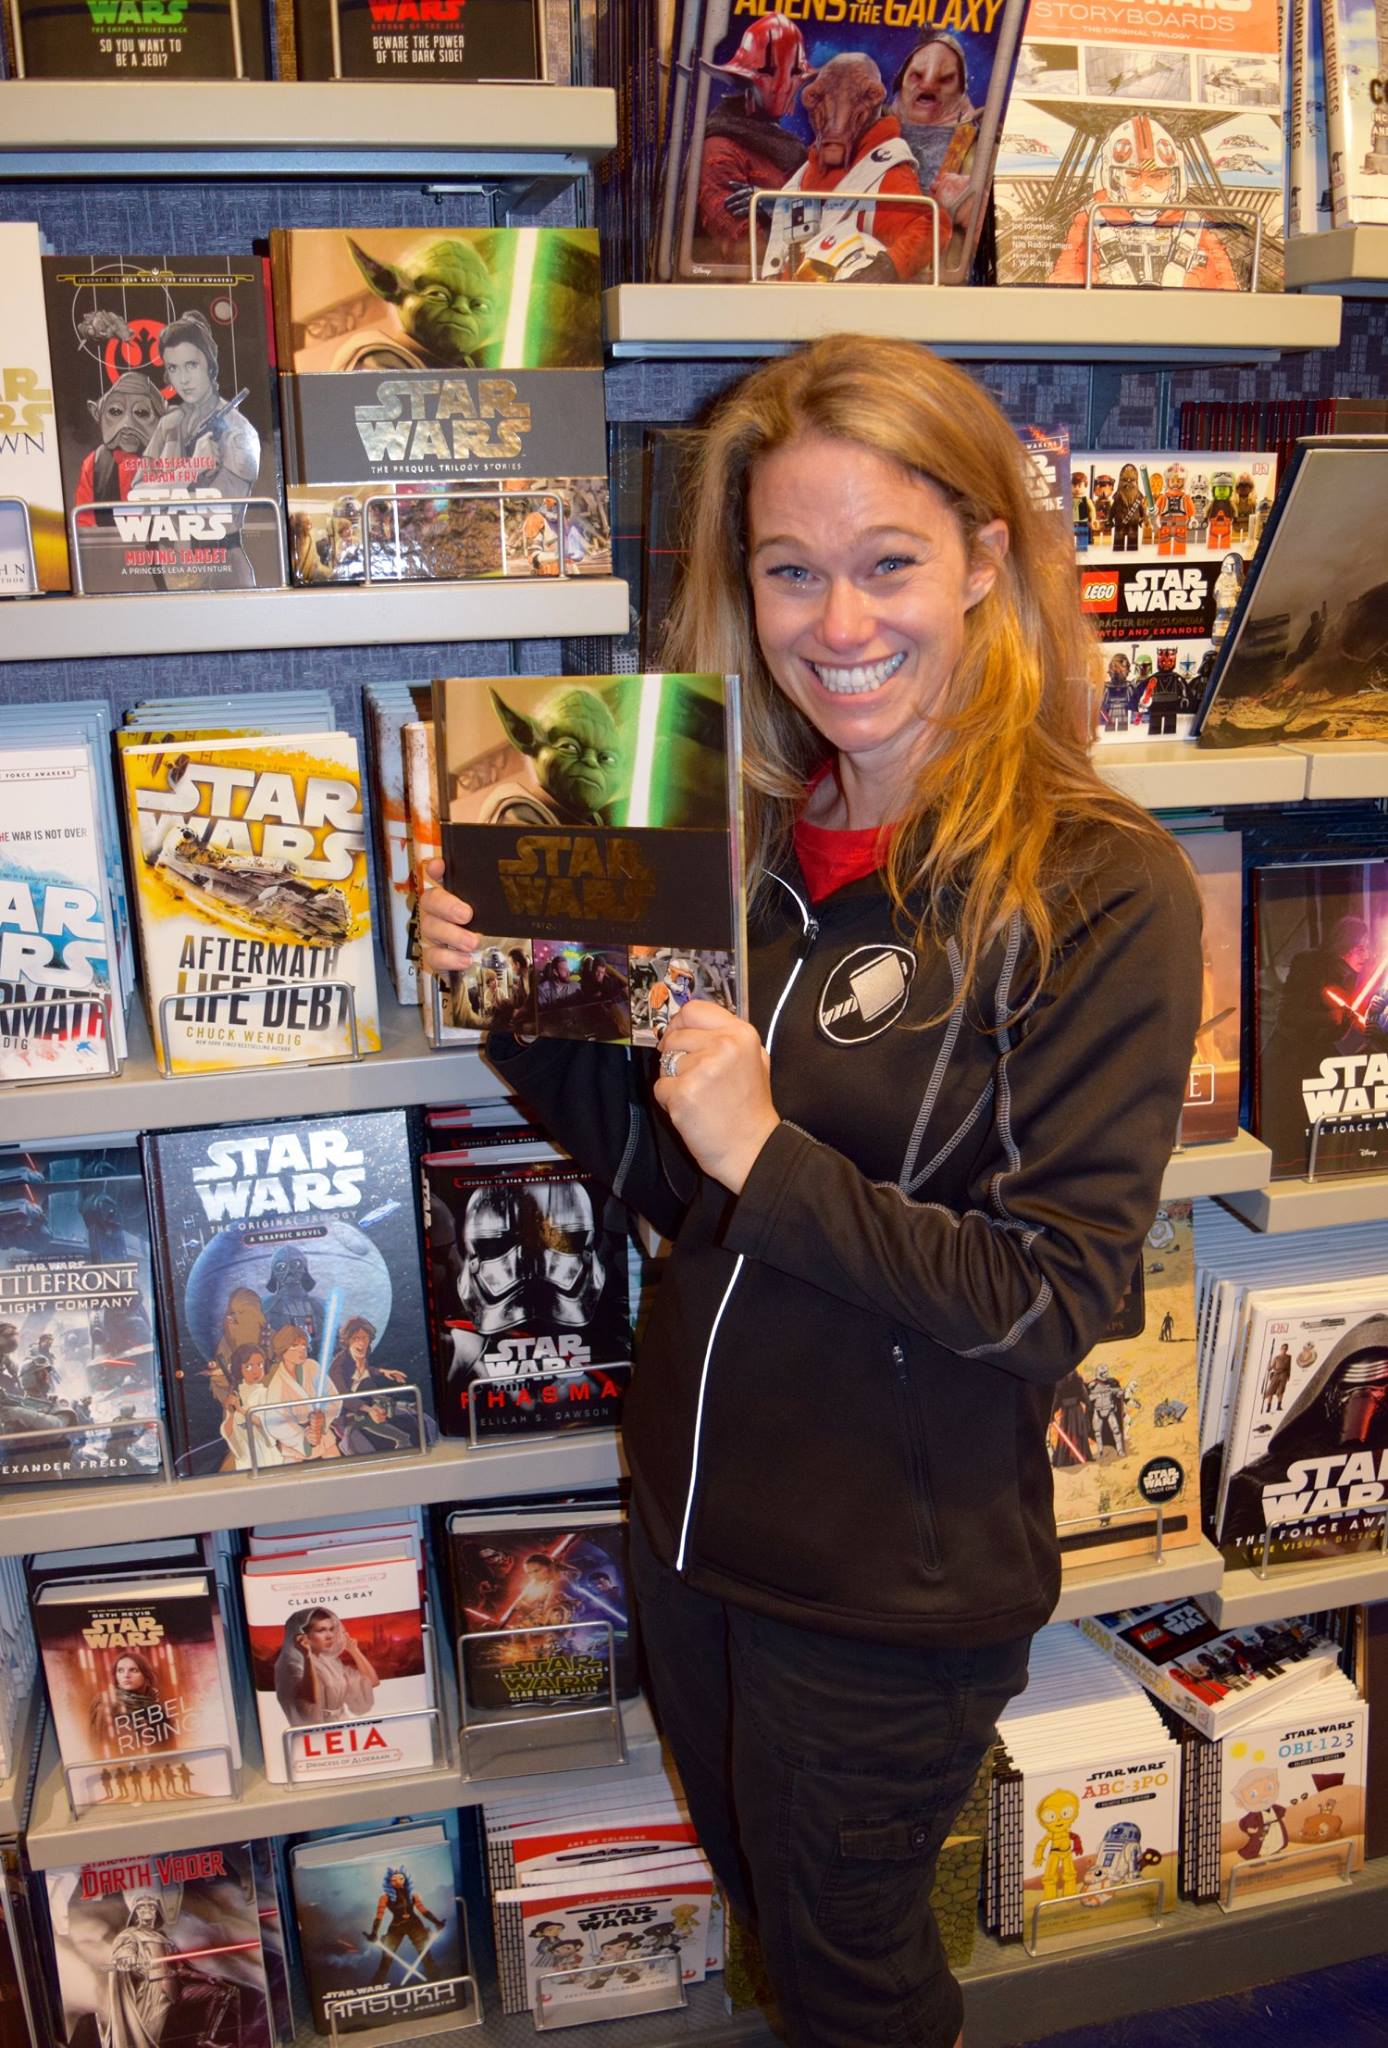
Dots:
pixel 1336 115
pixel 1299 167
pixel 166 1305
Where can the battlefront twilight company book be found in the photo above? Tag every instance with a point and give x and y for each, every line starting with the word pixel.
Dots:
pixel 595 827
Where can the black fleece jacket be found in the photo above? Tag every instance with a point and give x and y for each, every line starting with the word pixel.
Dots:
pixel 840 1410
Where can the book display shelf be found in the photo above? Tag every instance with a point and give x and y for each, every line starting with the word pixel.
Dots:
pixel 533 143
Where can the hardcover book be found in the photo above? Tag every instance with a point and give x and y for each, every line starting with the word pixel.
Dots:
pixel 541 1572
pixel 1292 1796
pixel 443 403
pixel 543 1931
pixel 1210 1112
pixel 291 1295
pixel 1219 1680
pixel 162 385
pixel 1356 72
pixel 490 40
pixel 124 40
pixel 33 534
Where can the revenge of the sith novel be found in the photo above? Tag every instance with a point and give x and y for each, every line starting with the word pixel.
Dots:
pixel 290 1284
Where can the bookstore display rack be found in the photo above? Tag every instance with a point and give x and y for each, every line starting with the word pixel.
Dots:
pixel 1349 260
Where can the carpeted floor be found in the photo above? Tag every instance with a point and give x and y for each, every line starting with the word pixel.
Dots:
pixel 1346 2007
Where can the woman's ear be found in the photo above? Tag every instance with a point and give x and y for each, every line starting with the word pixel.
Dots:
pixel 986 557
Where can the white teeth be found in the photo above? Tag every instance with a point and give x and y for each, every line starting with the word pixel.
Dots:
pixel 852 682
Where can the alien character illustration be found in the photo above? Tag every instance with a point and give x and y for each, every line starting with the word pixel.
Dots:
pixel 447 309
pixel 404 1914
pixel 1263 1823
pixel 576 760
pixel 126 416
pixel 746 149
pixel 1059 1845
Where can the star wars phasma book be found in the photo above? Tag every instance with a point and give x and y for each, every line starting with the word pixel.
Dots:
pixel 595 827
pixel 126 40
pixel 166 432
pixel 428 40
pixel 443 403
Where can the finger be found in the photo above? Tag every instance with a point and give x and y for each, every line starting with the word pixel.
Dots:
pixel 702 1015
pixel 434 869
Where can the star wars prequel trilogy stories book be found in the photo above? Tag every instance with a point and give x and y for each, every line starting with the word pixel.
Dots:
pixel 291 1293
pixel 1320 1075
pixel 33 533
pixel 1210 1112
pixel 595 826
pixel 443 403
pixel 1356 110
pixel 162 383
pixel 161 1948
pixel 839 143
pixel 138 39
pixel 490 40
pixel 251 879
pixel 1144 146
pixel 535 1572
pixel 1123 1433
pixel 529 1296
pixel 1306 654
pixel 79 1374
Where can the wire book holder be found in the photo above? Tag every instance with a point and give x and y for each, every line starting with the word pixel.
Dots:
pixel 19 573
pixel 581 1994
pixel 270 1457
pixel 455 2001
pixel 842 201
pixel 1109 1520
pixel 499 496
pixel 347 1010
pixel 346 1727
pixel 133 1426
pixel 80 526
pixel 1085 1918
pixel 581 1732
pixel 101 1000
pixel 1293 1875
pixel 1094 220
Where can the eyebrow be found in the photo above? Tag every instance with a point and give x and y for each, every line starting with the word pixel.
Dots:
pixel 786 540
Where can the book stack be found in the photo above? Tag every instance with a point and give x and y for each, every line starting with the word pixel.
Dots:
pixel 389 708
pixel 1218 1680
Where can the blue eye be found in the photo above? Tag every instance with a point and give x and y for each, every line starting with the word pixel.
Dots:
pixel 891 565
pixel 789 572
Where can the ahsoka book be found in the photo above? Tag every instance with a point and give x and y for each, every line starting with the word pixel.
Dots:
pixel 338 1662
pixel 1123 1433
pixel 139 1691
pixel 448 40
pixel 1301 660
pixel 529 1299
pixel 1210 1112
pixel 162 384
pixel 33 535
pixel 1321 1016
pixel 443 403
pixel 1145 153
pixel 138 39
pixel 1356 110
pixel 380 1928
pixel 161 1947
pixel 77 1353
pixel 542 1571
pixel 61 1004
pixel 291 1293
pixel 597 825
pixel 860 121
pixel 250 874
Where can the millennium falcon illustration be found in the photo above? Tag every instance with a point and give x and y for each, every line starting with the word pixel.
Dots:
pixel 265 893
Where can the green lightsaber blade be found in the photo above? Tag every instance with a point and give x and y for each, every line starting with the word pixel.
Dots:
pixel 643 763
pixel 518 314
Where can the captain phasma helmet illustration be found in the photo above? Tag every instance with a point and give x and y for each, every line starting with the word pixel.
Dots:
pixel 1140 168
pixel 530 1254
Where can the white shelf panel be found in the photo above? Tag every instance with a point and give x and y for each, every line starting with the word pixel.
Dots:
pixel 141 128
pixel 1243 1162
pixel 1175 775
pixel 1312 1205
pixel 1355 768
pixel 1349 260
pixel 1242 1598
pixel 1137 1581
pixel 1019 322
pixel 12 1789
pixel 349 615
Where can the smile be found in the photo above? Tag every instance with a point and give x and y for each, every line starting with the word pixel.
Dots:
pixel 856 682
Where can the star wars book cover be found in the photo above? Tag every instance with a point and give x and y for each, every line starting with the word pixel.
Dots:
pixel 1100 1833
pixel 542 1572
pixel 1292 1796
pixel 1356 115
pixel 879 125
pixel 125 40
pixel 160 1948
pixel 77 1350
pixel 250 872
pixel 1137 152
pixel 529 1299
pixel 1210 1112
pixel 379 1930
pixel 443 403
pixel 1161 507
pixel 1217 1680
pixel 1123 1433
pixel 598 824
pixel 542 1931
pixel 33 533
pixel 162 386
pixel 1320 1016
pixel 291 1295
pixel 21 1972
pixel 1156 623
pixel 444 40
pixel 1304 655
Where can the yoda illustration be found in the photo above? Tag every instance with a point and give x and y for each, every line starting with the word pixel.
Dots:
pixel 574 753
pixel 447 306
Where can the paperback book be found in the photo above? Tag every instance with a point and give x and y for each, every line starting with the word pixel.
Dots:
pixel 33 535
pixel 561 1578
pixel 443 40
pixel 123 40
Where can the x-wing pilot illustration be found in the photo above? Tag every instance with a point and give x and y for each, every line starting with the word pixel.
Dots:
pixel 1143 231
pixel 1059 1845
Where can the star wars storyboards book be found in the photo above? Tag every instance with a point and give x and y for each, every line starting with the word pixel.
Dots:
pixel 444 40
pixel 1298 664
pixel 443 403
pixel 861 115
pixel 162 389
pixel 33 534
pixel 137 39
pixel 595 827
pixel 1144 147
pixel 291 1296
pixel 1356 110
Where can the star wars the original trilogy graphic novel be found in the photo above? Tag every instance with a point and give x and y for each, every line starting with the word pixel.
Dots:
pixel 124 40
pixel 488 41
pixel 162 389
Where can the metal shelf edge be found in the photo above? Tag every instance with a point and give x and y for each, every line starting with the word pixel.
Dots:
pixel 1137 1581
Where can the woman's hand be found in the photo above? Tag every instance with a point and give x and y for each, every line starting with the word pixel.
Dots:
pixel 446 938
pixel 719 1097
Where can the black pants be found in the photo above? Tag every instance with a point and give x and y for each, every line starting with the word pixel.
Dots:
pixel 823 1775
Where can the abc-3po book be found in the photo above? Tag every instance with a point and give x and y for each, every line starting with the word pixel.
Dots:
pixel 127 40
pixel 33 536
pixel 429 40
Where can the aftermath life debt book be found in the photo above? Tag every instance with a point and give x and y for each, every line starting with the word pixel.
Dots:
pixel 163 389
pixel 33 536
pixel 1144 147
pixel 250 872
pixel 443 403
pixel 595 827
pixel 138 39
pixel 290 1283
pixel 832 144
pixel 1321 1016
pixel 419 39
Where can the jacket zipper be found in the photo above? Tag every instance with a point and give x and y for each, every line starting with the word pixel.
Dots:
pixel 921 1512
pixel 809 933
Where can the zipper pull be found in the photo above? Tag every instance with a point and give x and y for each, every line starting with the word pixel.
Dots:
pixel 811 933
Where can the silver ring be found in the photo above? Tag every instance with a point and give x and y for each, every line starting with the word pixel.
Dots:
pixel 670 1064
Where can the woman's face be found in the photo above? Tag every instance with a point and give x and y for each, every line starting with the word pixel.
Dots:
pixel 186 368
pixel 254 1368
pixel 322 1634
pixel 129 1676
pixel 861 583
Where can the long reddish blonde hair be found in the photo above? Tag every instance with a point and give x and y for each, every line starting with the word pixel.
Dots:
pixel 1003 800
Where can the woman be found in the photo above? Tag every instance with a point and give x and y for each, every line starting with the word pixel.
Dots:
pixel 129 1712
pixel 320 1674
pixel 905 1197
